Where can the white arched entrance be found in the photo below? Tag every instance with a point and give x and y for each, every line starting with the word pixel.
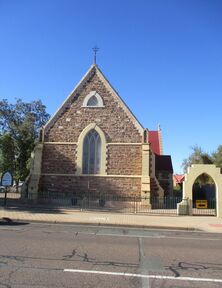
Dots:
pixel 185 207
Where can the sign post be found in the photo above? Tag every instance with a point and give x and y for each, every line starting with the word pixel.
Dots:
pixel 6 181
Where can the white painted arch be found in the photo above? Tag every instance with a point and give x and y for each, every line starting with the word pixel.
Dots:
pixel 194 172
pixel 90 95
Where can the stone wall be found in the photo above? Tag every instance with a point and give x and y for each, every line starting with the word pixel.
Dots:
pixel 96 185
pixel 59 159
pixel 120 160
pixel 124 160
pixel 118 128
pixel 111 118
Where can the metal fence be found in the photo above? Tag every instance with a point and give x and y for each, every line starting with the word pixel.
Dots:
pixel 124 204
pixel 204 207
pixel 106 203
pixel 10 198
pixel 90 201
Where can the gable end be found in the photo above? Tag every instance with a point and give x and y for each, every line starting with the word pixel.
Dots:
pixel 76 92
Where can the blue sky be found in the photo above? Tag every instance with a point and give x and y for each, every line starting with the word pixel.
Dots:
pixel 164 57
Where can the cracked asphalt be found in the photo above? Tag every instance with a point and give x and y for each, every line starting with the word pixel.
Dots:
pixel 35 255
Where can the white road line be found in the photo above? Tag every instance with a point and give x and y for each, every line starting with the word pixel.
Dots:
pixel 121 235
pixel 161 277
pixel 145 281
pixel 148 236
pixel 192 238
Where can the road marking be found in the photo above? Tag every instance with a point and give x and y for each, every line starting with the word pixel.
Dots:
pixel 120 235
pixel 193 238
pixel 145 281
pixel 161 277
pixel 147 236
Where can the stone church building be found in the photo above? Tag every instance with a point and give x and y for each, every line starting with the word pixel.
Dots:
pixel 94 144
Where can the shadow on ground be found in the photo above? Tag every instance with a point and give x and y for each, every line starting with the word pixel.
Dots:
pixel 9 222
pixel 33 209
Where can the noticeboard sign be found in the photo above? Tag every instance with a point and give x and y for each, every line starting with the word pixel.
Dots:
pixel 201 204
pixel 7 179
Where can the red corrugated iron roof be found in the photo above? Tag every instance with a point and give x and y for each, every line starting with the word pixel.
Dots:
pixel 154 142
pixel 178 178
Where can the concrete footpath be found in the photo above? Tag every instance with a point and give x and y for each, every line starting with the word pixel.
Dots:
pixel 199 223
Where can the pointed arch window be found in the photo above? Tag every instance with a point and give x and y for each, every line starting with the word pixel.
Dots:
pixel 93 99
pixel 92 153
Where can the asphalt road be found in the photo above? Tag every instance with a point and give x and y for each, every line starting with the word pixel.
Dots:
pixel 43 255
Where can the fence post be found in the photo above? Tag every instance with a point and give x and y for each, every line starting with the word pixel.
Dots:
pixel 82 202
pixel 135 208
pixel 184 207
pixel 5 199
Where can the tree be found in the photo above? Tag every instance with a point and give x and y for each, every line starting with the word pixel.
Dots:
pixel 7 149
pixel 217 157
pixel 21 122
pixel 196 157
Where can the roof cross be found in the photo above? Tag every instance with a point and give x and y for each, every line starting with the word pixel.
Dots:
pixel 95 49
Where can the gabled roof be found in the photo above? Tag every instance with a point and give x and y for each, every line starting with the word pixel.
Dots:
pixel 178 178
pixel 75 92
pixel 163 163
pixel 155 142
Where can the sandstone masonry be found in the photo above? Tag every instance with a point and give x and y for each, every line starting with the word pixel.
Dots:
pixel 122 147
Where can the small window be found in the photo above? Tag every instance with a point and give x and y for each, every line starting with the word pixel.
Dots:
pixel 93 99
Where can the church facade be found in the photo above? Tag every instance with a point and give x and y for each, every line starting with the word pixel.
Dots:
pixel 94 144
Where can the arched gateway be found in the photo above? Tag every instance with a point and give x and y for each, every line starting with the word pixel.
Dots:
pixel 196 170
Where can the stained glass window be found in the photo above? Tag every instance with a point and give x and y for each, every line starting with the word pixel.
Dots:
pixel 91 153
